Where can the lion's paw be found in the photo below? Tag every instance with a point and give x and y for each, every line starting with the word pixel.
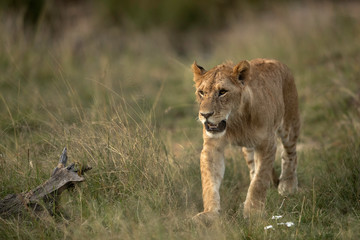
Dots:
pixel 206 218
pixel 288 186
pixel 253 210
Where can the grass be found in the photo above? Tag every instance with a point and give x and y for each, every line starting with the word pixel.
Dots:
pixel 124 104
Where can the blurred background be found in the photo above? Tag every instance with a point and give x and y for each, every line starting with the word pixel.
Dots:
pixel 142 49
pixel 111 80
pixel 175 16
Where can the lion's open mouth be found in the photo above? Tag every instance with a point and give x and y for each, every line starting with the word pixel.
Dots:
pixel 215 128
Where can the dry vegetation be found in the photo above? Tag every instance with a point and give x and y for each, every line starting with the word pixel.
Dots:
pixel 123 102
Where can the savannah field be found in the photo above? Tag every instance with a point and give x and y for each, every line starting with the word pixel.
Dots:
pixel 120 96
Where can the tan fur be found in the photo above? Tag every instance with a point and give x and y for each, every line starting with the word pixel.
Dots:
pixel 259 104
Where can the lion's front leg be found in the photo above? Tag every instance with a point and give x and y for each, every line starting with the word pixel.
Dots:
pixel 249 157
pixel 212 172
pixel 264 159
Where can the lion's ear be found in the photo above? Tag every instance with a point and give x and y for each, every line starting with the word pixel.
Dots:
pixel 241 71
pixel 197 70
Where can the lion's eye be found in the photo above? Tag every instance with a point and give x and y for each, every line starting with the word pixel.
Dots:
pixel 201 93
pixel 222 92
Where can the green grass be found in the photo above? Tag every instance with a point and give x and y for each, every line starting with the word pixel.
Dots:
pixel 123 103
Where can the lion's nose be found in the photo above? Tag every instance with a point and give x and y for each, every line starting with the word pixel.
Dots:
pixel 207 115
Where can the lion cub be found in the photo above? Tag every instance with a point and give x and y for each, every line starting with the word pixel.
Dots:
pixel 249 104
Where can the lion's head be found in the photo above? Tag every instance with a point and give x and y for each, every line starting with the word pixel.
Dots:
pixel 219 92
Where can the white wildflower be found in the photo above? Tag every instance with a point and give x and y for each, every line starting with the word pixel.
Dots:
pixel 269 227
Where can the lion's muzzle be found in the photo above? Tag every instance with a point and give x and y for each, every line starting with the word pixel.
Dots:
pixel 215 128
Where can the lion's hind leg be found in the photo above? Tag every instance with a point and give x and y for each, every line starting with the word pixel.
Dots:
pixel 288 182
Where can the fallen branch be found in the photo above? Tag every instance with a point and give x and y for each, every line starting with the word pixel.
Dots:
pixel 44 199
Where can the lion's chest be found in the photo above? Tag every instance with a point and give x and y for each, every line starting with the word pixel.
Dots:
pixel 246 137
pixel 244 141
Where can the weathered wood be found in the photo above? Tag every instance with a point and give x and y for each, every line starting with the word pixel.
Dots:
pixel 44 199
